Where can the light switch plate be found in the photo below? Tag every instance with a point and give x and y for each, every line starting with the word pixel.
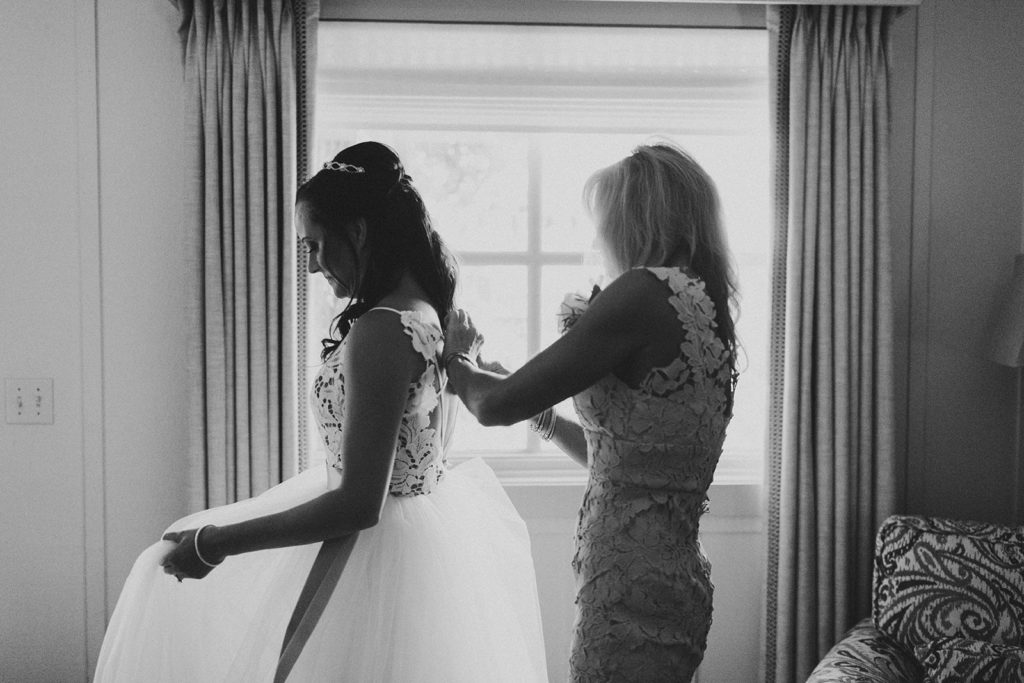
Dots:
pixel 29 401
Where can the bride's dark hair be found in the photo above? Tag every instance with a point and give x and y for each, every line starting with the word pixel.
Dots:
pixel 367 181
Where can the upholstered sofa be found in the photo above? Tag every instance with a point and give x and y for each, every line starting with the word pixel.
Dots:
pixel 947 605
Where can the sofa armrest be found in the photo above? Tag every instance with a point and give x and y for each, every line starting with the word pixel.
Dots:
pixel 866 655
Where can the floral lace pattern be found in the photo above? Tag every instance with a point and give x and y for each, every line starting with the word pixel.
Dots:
pixel 644 587
pixel 420 455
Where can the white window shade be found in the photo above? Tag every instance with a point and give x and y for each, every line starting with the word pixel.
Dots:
pixel 540 77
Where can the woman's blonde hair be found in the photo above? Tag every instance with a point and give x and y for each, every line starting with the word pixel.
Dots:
pixel 656 205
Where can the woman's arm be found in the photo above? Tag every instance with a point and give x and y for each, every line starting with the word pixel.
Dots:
pixel 568 436
pixel 618 324
pixel 378 366
pixel 566 433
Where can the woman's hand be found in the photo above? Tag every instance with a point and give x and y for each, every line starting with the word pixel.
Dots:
pixel 183 562
pixel 493 366
pixel 460 335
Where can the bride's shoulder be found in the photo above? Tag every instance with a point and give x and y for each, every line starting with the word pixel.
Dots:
pixel 381 325
pixel 379 332
pixel 414 329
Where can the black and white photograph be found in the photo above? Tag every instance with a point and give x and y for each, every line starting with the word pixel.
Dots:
pixel 512 341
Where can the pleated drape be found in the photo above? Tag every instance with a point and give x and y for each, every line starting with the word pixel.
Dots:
pixel 832 461
pixel 240 137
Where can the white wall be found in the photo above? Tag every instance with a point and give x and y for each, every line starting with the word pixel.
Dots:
pixel 144 288
pixel 90 289
pixel 41 492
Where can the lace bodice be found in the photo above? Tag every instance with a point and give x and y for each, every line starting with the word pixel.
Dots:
pixel 420 461
pixel 643 582
pixel 685 403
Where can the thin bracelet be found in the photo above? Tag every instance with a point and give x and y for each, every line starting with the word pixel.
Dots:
pixel 550 430
pixel 543 424
pixel 195 544
pixel 449 357
pixel 546 424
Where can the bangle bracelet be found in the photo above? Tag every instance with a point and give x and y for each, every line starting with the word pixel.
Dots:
pixel 195 545
pixel 449 357
pixel 550 430
pixel 543 424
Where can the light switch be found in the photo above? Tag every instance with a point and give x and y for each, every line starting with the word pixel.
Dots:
pixel 29 401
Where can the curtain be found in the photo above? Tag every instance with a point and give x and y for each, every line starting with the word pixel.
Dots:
pixel 832 463
pixel 242 129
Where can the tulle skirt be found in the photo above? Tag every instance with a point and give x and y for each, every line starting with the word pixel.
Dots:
pixel 441 590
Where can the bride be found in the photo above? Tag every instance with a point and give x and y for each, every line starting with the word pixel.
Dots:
pixel 383 564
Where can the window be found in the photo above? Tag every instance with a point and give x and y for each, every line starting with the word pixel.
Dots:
pixel 500 125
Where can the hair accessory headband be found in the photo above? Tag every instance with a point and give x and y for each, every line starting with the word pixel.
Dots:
pixel 344 168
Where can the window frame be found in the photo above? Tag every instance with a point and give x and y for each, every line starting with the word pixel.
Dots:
pixel 534 466
pixel 663 14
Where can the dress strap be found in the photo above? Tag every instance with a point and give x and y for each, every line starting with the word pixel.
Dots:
pixel 407 315
pixel 689 296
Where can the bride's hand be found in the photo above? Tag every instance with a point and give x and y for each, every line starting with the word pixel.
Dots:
pixel 183 562
pixel 460 335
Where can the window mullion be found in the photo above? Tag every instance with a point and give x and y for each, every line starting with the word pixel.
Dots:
pixel 533 265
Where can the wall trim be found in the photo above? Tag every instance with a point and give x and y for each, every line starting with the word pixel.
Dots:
pixel 91 324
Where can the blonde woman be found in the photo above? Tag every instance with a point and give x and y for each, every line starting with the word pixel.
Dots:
pixel 650 364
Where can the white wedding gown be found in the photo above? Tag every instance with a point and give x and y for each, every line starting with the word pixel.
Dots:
pixel 441 590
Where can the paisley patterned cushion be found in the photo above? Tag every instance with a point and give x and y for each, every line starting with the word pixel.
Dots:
pixel 954 660
pixel 866 655
pixel 937 578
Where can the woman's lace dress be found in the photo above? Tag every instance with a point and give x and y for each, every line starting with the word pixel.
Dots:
pixel 441 590
pixel 643 605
